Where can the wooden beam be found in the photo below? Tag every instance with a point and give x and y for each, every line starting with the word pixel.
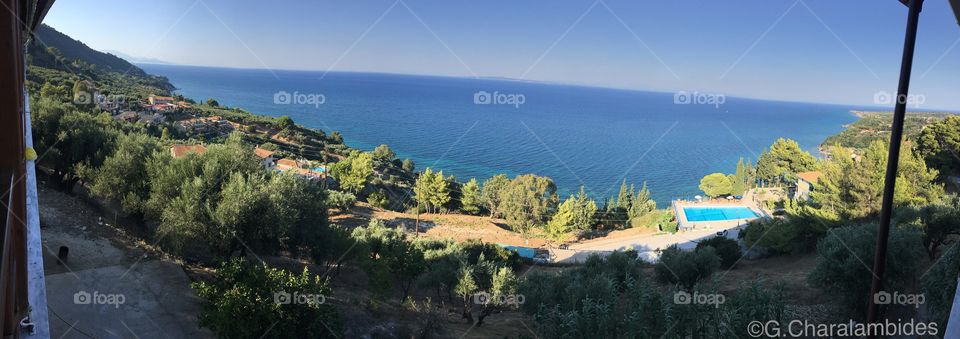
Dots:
pixel 12 148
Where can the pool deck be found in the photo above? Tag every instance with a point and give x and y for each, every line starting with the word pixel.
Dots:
pixel 685 225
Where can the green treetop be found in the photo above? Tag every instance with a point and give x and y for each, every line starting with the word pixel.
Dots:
pixel 715 185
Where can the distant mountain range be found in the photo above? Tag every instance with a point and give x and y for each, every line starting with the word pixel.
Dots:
pixel 138 60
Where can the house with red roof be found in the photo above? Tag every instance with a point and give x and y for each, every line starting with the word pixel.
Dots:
pixel 806 183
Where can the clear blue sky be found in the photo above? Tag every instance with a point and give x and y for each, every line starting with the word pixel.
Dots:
pixel 811 50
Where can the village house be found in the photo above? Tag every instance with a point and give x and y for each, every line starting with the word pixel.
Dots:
pixel 157 99
pixel 165 107
pixel 806 183
pixel 181 150
pixel 208 126
pixel 162 103
pixel 265 155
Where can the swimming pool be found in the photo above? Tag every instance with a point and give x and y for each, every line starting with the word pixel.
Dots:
pixel 718 213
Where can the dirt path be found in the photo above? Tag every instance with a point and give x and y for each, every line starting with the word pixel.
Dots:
pixel 459 227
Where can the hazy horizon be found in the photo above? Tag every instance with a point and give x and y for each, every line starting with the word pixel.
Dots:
pixel 852 107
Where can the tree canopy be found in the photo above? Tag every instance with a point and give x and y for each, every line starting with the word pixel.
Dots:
pixel 432 190
pixel 528 201
pixel 783 161
pixel 939 145
pixel 383 152
pixel 354 172
pixel 575 213
pixel 715 185
pixel 852 187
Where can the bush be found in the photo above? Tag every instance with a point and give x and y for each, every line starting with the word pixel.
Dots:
pixel 473 249
pixel 662 217
pixel 727 249
pixel 608 297
pixel 242 302
pixel 686 268
pixel 342 201
pixel 940 284
pixel 378 199
pixel 383 152
pixel 799 232
pixel 844 263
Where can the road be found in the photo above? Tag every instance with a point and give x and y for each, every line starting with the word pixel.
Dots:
pixel 646 245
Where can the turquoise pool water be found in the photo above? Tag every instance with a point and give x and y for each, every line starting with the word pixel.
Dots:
pixel 524 252
pixel 718 213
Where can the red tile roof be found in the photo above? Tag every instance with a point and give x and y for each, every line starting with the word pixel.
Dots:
pixel 179 151
pixel 812 177
pixel 262 153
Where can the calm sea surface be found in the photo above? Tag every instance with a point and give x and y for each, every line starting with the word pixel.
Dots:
pixel 576 135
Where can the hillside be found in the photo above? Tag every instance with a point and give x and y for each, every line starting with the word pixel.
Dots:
pixel 72 50
pixel 56 52
pixel 876 126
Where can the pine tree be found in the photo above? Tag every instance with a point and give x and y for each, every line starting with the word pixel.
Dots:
pixel 642 203
pixel 575 213
pixel 471 197
pixel 439 190
pixel 624 197
pixel 423 188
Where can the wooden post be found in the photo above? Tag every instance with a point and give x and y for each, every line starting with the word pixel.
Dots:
pixel 13 275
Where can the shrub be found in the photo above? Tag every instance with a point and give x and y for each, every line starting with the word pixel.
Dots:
pixel 798 232
pixel 383 152
pixel 473 249
pixel 662 218
pixel 844 261
pixel 686 268
pixel 378 199
pixel 727 249
pixel 940 284
pixel 609 298
pixel 342 201
pixel 246 299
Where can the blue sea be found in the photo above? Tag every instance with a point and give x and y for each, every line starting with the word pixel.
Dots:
pixel 579 136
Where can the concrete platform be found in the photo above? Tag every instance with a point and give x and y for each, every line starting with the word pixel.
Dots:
pixel 150 299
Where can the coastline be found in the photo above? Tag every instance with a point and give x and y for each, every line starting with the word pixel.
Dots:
pixel 598 144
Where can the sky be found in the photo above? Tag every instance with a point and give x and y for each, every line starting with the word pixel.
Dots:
pixel 824 51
